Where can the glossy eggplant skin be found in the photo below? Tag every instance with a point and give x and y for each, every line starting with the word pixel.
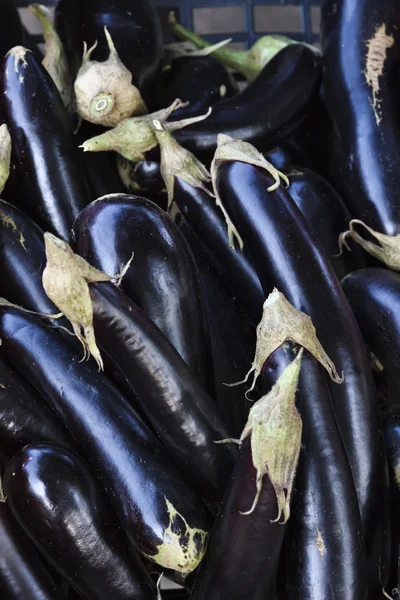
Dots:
pixel 207 221
pixel 11 31
pixel 185 418
pixel 125 455
pixel 243 550
pixel 200 80
pixel 233 337
pixel 374 296
pixel 366 118
pixel 62 507
pixel 47 181
pixel 162 280
pixel 134 27
pixel 327 216
pixel 288 256
pixel 24 415
pixel 22 575
pixel 265 112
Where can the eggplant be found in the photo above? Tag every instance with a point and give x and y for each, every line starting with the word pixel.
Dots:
pixel 207 221
pixel 373 294
pixel 24 416
pixel 135 29
pixel 326 215
pixel 201 81
pixel 361 60
pixel 61 506
pixel 162 278
pixel 47 181
pixel 287 255
pixel 22 575
pixel 143 177
pixel 151 500
pixel 266 111
pixel 11 30
pixel 391 421
pixel 185 418
pixel 232 346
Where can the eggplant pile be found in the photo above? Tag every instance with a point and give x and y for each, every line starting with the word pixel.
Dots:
pixel 199 309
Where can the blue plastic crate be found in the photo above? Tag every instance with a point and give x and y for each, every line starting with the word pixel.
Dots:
pixel 242 20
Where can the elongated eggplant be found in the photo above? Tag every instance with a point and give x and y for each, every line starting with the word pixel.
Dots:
pixel 287 255
pixel 135 29
pixel 61 506
pixel 22 575
pixel 11 31
pixel 326 215
pixel 47 181
pixel 391 428
pixel 361 61
pixel 185 418
pixel 200 80
pixel 24 415
pixel 162 278
pixel 373 294
pixel 232 346
pixel 160 515
pixel 265 112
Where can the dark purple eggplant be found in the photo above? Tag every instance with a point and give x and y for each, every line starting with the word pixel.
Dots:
pixel 287 255
pixel 144 178
pixel 202 81
pixel 134 27
pixel 22 575
pixel 361 59
pixel 162 278
pixel 149 496
pixel 326 215
pixel 391 429
pixel 208 223
pixel 185 418
pixel 24 415
pixel 46 177
pixel 11 30
pixel 61 506
pixel 265 112
pixel 232 335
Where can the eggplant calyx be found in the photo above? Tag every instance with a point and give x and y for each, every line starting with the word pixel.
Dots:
pixel 55 60
pixel 65 281
pixel 275 427
pixel 104 91
pixel 185 50
pixel 280 323
pixel 182 547
pixel 377 47
pixel 5 155
pixel 387 248
pixel 133 137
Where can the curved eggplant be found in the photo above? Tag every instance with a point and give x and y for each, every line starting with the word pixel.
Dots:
pixel 162 278
pixel 47 181
pixel 327 216
pixel 185 418
pixel 61 506
pixel 265 112
pixel 22 575
pixel 286 255
pixel 361 61
pixel 160 515
pixel 11 30
pixel 134 27
pixel 25 416
pixel 200 80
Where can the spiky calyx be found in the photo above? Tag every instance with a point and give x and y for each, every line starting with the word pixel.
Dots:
pixel 5 155
pixel 387 248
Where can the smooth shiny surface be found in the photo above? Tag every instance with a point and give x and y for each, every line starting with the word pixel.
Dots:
pixel 368 155
pixel 24 415
pixel 46 177
pixel 60 504
pixel 162 279
pixel 287 256
pixel 22 575
pixel 126 456
pixel 327 217
pixel 267 110
pixel 134 27
pixel 208 223
pixel 186 420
